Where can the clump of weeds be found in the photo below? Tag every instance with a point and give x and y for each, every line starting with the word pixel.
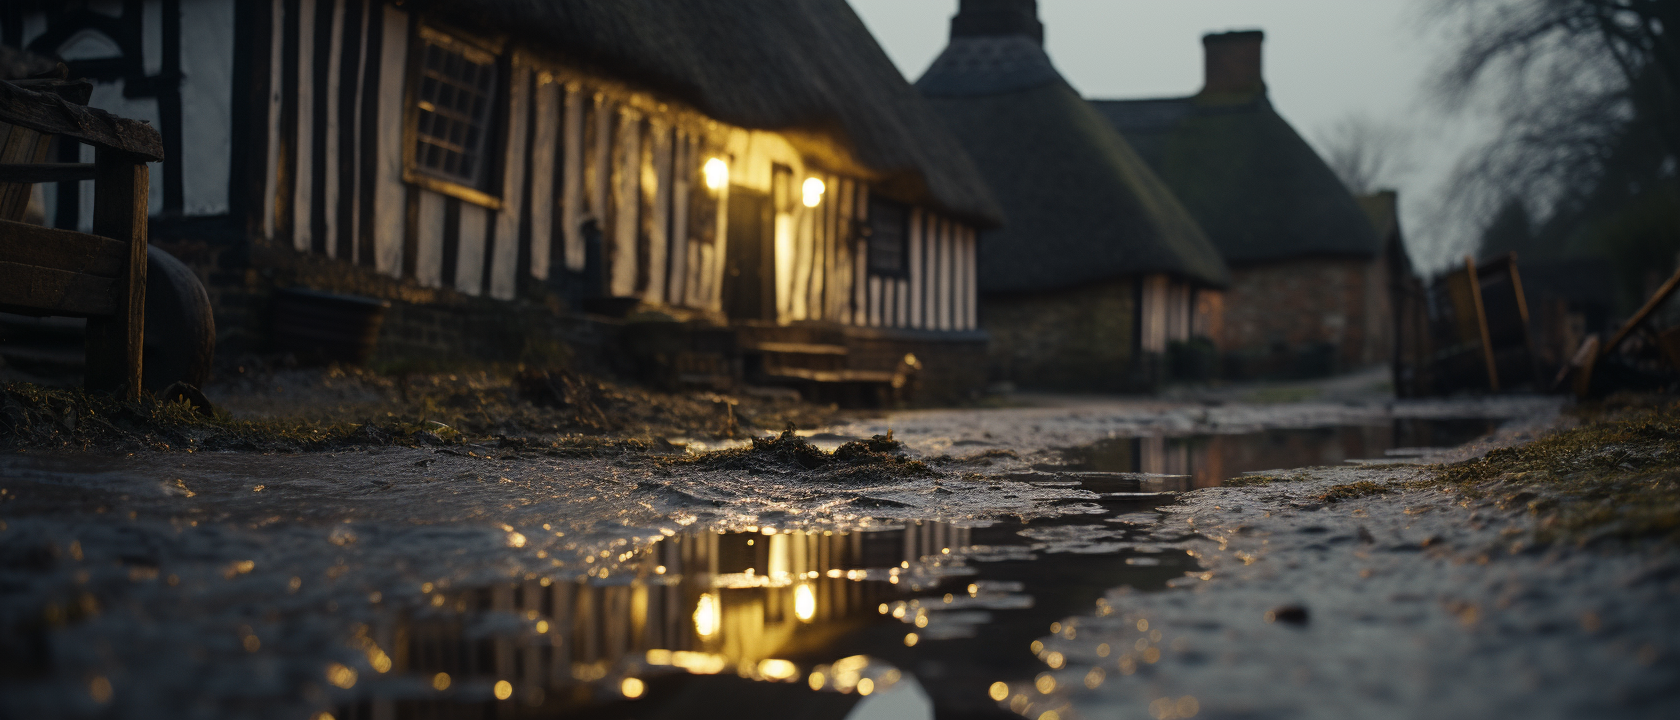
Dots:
pixel 879 457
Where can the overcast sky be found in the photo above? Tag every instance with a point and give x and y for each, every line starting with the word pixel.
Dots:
pixel 1324 60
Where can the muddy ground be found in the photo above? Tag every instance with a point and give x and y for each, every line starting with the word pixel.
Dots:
pixel 202 582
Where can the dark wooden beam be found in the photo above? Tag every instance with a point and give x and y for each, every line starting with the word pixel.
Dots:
pixel 51 114
pixel 63 250
pixel 169 109
pixel 114 343
pixel 36 289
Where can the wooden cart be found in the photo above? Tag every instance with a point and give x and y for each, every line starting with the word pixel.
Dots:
pixel 49 272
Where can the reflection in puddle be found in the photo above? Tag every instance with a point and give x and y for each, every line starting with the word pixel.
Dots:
pixel 1208 460
pixel 763 622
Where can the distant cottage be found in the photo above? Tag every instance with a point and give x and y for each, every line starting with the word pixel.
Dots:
pixel 1099 269
pixel 1309 280
pixel 752 164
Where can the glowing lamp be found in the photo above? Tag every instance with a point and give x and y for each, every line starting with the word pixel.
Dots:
pixel 814 190
pixel 717 173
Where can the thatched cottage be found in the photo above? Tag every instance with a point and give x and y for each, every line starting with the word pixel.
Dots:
pixel 1099 269
pixel 755 164
pixel 1309 288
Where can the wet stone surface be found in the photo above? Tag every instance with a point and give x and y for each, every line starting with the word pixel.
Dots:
pixel 1004 578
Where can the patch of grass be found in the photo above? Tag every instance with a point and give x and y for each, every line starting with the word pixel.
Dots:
pixel 1354 490
pixel 1615 477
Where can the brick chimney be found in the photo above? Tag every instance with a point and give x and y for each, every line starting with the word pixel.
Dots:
pixel 998 17
pixel 1233 62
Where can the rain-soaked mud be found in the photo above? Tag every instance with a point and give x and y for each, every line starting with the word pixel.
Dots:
pixel 980 569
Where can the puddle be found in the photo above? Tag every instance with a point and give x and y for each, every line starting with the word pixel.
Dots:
pixel 900 621
pixel 1209 460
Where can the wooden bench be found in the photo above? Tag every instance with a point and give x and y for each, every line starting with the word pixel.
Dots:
pixel 48 272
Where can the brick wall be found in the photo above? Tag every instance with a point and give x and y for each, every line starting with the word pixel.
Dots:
pixel 1077 339
pixel 1306 317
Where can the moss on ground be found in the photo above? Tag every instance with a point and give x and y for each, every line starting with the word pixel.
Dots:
pixel 1260 480
pixel 556 412
pixel 1615 476
pixel 1354 490
pixel 35 417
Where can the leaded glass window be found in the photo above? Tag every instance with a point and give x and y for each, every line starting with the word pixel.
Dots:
pixel 455 100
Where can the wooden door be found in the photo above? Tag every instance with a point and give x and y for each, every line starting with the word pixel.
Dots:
pixel 749 282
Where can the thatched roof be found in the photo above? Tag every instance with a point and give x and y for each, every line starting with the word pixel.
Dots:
pixel 1082 206
pixel 764 64
pixel 1259 190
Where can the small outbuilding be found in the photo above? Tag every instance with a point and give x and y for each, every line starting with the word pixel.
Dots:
pixel 1309 284
pixel 1098 270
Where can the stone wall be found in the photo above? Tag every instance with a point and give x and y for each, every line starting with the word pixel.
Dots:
pixel 1076 339
pixel 1306 317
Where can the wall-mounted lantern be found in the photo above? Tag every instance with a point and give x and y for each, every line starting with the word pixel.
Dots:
pixel 717 174
pixel 814 190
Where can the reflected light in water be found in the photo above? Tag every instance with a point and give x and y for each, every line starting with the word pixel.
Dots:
pixel 707 615
pixel 776 669
pixel 341 676
pixel 804 602
pixel 100 689
pixel 632 687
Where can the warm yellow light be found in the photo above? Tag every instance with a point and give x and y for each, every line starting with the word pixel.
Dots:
pixel 817 680
pixel 865 686
pixel 999 691
pixel 804 603
pixel 717 173
pixel 911 639
pixel 100 689
pixel 341 676
pixel 440 681
pixel 778 669
pixel 632 687
pixel 814 190
pixel 707 615
pixel 503 690
pixel 542 627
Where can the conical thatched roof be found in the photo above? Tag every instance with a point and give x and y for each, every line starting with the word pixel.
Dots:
pixel 1259 190
pixel 1081 205
pixel 765 64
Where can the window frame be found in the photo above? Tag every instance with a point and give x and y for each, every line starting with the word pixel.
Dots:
pixel 868 232
pixel 489 191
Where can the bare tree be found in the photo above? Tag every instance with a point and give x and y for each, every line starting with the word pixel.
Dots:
pixel 1585 91
pixel 1366 154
